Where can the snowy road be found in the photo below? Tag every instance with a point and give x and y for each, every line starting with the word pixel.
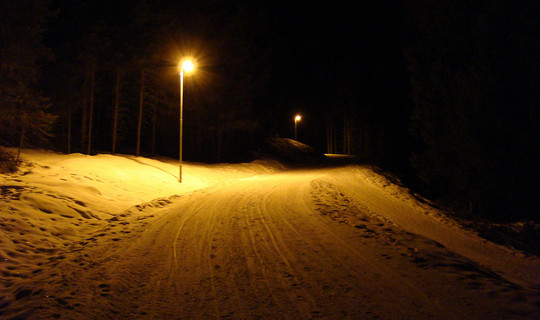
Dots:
pixel 332 244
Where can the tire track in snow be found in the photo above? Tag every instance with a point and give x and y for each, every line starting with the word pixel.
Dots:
pixel 278 257
pixel 203 222
pixel 206 247
pixel 292 273
pixel 304 184
pixel 327 257
pixel 254 248
pixel 272 212
pixel 349 206
pixel 460 271
pixel 180 227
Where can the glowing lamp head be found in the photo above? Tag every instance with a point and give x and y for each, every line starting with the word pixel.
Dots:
pixel 298 118
pixel 186 65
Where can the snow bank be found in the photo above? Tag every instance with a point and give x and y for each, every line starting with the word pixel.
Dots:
pixel 56 199
pixel 396 204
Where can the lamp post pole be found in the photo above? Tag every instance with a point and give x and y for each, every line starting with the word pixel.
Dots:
pixel 296 119
pixel 188 66
pixel 181 122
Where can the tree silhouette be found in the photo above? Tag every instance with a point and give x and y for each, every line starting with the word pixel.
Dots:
pixel 473 73
pixel 23 110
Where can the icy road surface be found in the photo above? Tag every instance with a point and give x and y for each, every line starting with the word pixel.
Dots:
pixel 337 243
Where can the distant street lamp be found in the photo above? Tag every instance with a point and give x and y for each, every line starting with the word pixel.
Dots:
pixel 296 119
pixel 184 65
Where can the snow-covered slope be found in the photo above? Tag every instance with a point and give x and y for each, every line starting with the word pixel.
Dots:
pixel 57 199
pixel 395 204
pixel 118 237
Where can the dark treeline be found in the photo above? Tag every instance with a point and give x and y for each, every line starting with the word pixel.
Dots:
pixel 475 79
pixel 112 77
pixel 24 112
pixel 445 91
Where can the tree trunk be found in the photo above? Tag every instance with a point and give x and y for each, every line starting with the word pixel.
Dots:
pixel 200 135
pixel 116 107
pixel 154 122
pixel 91 115
pixel 20 144
pixel 141 102
pixel 346 135
pixel 349 137
pixel 328 135
pixel 69 130
pixel 219 143
pixel 84 117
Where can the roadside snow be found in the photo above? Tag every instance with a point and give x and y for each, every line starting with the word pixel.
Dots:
pixel 395 204
pixel 56 199
pixel 313 237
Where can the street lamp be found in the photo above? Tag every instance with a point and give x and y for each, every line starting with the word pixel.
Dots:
pixel 296 119
pixel 187 66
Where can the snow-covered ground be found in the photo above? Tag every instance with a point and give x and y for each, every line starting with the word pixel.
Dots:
pixel 117 237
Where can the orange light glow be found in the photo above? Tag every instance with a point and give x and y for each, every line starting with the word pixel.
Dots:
pixel 187 65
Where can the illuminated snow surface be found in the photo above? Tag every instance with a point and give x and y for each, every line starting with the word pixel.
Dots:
pixel 117 237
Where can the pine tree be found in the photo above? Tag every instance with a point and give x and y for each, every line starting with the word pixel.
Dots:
pixel 472 74
pixel 23 110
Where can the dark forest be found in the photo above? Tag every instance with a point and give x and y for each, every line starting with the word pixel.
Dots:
pixel 446 94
